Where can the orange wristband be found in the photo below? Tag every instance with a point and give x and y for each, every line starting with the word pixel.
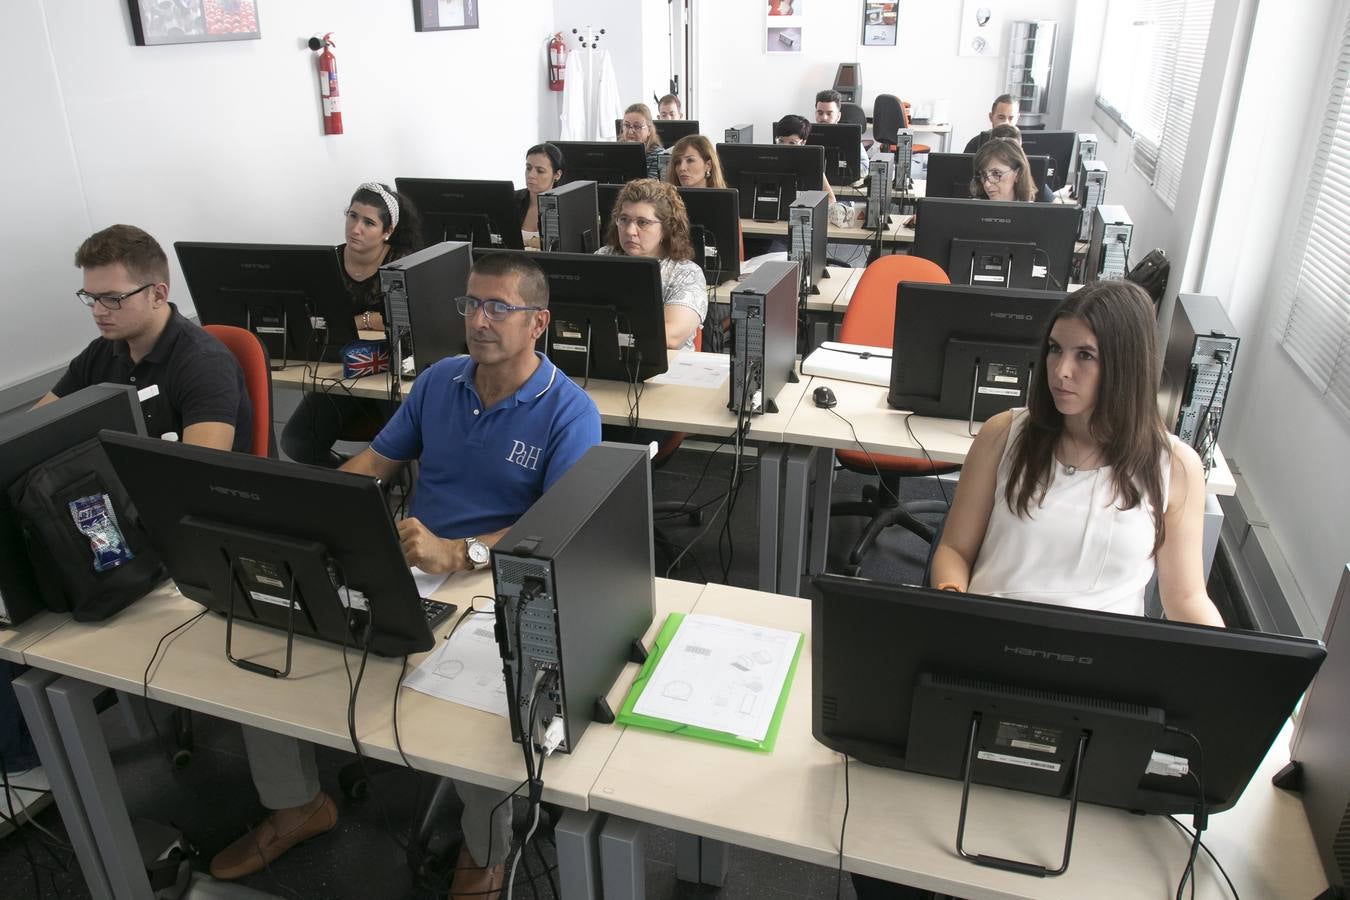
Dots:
pixel 949 586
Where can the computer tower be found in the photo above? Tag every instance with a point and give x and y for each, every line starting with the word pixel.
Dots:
pixel 1090 190
pixel 879 194
pixel 1197 370
pixel 1108 256
pixel 575 590
pixel 904 160
pixel 808 233
pixel 763 337
pixel 420 314
pixel 1087 147
pixel 739 134
pixel 569 218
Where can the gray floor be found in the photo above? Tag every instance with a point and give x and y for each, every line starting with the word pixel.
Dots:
pixel 212 799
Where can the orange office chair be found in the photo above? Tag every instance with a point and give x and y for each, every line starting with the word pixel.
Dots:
pixel 252 357
pixel 870 319
pixel 889 116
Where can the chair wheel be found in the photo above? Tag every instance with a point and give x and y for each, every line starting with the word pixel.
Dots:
pixel 182 759
pixel 355 786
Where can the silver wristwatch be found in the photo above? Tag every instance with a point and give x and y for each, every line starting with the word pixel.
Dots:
pixel 479 553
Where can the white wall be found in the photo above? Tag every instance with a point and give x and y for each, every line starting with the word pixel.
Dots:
pixel 738 82
pixel 224 141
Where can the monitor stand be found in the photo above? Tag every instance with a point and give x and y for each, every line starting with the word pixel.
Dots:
pixel 270 335
pixel 992 263
pixel 768 194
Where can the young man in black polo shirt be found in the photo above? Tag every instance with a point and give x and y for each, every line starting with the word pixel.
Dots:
pixel 1003 112
pixel 190 384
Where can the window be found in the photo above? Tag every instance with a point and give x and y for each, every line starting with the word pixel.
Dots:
pixel 1154 102
pixel 1314 327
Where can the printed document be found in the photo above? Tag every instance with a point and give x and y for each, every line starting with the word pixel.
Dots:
pixel 466 669
pixel 701 370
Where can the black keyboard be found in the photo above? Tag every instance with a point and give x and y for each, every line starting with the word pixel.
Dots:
pixel 436 611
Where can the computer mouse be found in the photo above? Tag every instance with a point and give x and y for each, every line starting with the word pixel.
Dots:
pixel 824 397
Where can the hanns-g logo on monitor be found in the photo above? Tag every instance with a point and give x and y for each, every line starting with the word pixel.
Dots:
pixel 231 492
pixel 1048 655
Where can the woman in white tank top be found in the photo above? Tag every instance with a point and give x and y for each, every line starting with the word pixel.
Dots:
pixel 1059 502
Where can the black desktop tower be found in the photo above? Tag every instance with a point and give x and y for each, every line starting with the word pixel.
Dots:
pixel 808 233
pixel 1197 369
pixel 569 218
pixel 763 337
pixel 739 134
pixel 575 589
pixel 419 305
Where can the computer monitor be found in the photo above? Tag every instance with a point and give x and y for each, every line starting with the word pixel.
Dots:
pixel 607 318
pixel 605 162
pixel 928 681
pixel 482 213
pixel 1058 145
pixel 714 227
pixel 303 549
pixel 843 150
pixel 569 219
pixel 671 130
pixel 768 176
pixel 992 243
pixel 950 174
pixel 28 438
pixel 291 296
pixel 962 352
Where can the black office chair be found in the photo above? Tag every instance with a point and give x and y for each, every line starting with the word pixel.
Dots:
pixel 853 114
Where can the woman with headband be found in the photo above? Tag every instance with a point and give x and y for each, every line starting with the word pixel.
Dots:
pixel 381 227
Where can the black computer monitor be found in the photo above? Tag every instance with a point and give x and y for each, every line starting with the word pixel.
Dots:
pixel 607 318
pixel 950 174
pixel 482 213
pixel 1058 145
pixel 671 130
pixel 768 176
pixel 993 243
pixel 28 438
pixel 605 162
pixel 291 296
pixel 923 680
pixel 714 227
pixel 843 149
pixel 963 352
pixel 306 550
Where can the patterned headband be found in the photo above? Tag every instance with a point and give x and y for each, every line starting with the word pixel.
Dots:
pixel 389 202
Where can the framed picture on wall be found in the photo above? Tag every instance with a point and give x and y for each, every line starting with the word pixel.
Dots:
pixel 193 21
pixel 444 15
pixel 880 21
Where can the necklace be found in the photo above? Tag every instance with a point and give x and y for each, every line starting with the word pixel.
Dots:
pixel 1072 468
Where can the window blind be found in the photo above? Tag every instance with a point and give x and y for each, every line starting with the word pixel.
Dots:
pixel 1314 328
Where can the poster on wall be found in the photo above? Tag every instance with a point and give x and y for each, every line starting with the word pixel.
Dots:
pixel 783 26
pixel 192 21
pixel 981 29
pixel 444 15
pixel 880 21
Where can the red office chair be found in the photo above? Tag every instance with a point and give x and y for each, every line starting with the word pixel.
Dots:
pixel 252 357
pixel 870 319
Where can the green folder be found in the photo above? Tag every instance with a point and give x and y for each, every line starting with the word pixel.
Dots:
pixel 628 717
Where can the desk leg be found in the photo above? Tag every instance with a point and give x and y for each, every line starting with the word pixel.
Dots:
pixel 31 689
pixel 623 860
pixel 577 836
pixel 820 511
pixel 797 476
pixel 1210 537
pixel 700 860
pixel 72 703
pixel 770 475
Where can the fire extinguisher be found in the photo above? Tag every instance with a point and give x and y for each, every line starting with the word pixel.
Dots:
pixel 557 62
pixel 328 84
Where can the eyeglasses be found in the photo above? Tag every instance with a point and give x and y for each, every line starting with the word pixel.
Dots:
pixel 495 310
pixel 641 223
pixel 108 301
pixel 994 176
pixel 635 126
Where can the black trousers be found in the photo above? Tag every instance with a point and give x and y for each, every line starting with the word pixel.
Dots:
pixel 323 418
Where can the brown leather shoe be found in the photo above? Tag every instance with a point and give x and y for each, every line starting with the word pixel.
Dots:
pixel 475 882
pixel 264 843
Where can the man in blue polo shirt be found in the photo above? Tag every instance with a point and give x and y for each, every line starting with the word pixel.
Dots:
pixel 491 432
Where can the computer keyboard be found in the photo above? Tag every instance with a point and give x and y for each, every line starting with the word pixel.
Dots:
pixel 436 611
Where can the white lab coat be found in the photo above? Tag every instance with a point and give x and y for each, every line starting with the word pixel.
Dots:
pixel 591 101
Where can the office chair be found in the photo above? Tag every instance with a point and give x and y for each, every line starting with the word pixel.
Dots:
pixel 889 116
pixel 853 114
pixel 252 357
pixel 870 319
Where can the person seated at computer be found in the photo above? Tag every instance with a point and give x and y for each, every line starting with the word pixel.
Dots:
pixel 649 220
pixel 1002 172
pixel 543 171
pixel 638 129
pixel 1003 112
pixel 381 226
pixel 794 130
pixel 694 163
pixel 491 432
pixel 829 111
pixel 191 386
pixel 669 107
pixel 1013 133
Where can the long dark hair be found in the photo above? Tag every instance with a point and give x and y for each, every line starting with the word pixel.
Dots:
pixel 1125 422
pixel 407 237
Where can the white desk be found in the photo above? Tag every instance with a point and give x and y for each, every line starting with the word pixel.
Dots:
pixel 902 827
pixel 838 283
pixel 894 235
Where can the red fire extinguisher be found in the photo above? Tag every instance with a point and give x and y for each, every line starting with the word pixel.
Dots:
pixel 557 62
pixel 328 84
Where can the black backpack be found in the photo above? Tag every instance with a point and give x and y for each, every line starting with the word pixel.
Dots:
pixel 89 552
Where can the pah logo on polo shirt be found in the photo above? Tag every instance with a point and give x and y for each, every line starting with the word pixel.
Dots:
pixel 523 455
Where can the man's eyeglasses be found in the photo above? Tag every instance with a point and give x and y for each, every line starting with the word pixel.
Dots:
pixel 642 224
pixel 495 310
pixel 993 176
pixel 109 301
pixel 634 126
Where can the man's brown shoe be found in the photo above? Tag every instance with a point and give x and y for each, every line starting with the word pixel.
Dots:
pixel 265 842
pixel 475 882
